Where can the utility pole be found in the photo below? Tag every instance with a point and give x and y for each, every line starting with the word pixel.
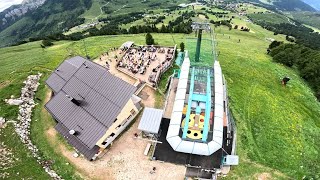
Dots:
pixel 85 48
pixel 197 26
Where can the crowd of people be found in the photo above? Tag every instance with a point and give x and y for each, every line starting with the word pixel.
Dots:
pixel 138 59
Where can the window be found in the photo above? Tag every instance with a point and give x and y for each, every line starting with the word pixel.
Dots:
pixel 133 112
pixel 118 126
pixel 112 134
pixel 129 117
pixel 104 143
pixel 124 122
pixel 115 120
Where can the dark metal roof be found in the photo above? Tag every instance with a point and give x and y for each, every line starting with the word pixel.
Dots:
pixel 102 96
pixel 66 70
pixel 87 152
pixel 55 82
pixel 76 61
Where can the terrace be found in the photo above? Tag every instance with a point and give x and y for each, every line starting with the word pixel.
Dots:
pixel 146 63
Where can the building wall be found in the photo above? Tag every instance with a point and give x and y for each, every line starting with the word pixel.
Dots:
pixel 127 114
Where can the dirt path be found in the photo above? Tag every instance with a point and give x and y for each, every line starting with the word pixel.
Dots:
pixel 148 96
pixel 4 84
pixel 264 176
pixel 123 160
pixel 171 98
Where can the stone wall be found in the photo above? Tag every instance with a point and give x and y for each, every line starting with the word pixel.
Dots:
pixel 22 127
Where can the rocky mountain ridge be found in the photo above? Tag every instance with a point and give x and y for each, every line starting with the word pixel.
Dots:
pixel 16 11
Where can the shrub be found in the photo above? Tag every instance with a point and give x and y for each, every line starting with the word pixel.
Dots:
pixel 149 39
pixel 182 47
pixel 47 43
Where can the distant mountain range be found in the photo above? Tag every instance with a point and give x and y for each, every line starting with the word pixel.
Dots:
pixel 15 12
pixel 313 3
pixel 292 5
pixel 34 18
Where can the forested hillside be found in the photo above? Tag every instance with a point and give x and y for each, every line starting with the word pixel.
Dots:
pixel 14 13
pixel 57 16
pixel 293 5
pixel 309 18
pixel 53 16
pixel 285 5
pixel 306 60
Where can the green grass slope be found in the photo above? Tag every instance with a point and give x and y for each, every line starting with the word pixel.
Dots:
pixel 277 126
pixel 309 18
pixel 269 17
pixel 289 5
pixel 94 12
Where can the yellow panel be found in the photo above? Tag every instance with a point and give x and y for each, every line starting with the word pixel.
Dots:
pixel 193 133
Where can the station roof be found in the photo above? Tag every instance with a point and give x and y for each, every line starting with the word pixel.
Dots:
pixel 150 120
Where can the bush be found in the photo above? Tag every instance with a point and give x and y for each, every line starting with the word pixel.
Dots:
pixel 290 39
pixel 47 43
pixel 275 44
pixel 182 47
pixel 149 39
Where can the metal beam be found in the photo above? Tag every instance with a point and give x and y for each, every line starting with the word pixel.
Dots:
pixel 208 109
pixel 186 122
pixel 198 48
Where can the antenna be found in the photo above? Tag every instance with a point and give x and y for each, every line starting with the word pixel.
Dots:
pixel 85 48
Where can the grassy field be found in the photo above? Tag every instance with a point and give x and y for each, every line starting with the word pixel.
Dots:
pixel 269 17
pixel 124 6
pixel 168 17
pixel 165 77
pixel 278 128
pixel 309 18
pixel 314 29
pixel 206 55
pixel 251 9
pixel 94 12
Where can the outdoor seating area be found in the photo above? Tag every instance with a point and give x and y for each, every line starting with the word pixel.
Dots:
pixel 146 63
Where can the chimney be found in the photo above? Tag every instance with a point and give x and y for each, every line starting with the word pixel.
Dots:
pixel 76 102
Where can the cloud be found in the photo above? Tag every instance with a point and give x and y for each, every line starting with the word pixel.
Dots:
pixel 4 4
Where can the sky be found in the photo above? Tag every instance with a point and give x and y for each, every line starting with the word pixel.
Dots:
pixel 4 4
pixel 314 3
